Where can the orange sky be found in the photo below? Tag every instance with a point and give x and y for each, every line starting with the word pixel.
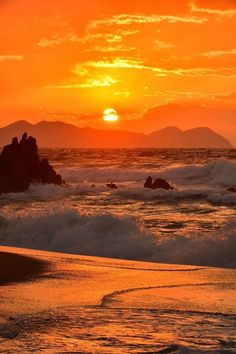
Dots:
pixel 60 59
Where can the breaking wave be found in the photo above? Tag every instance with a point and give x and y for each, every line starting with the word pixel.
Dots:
pixel 37 192
pixel 221 172
pixel 212 196
pixel 108 235
pixel 103 174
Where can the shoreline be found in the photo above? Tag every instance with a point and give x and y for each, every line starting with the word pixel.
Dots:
pixel 98 299
pixel 17 268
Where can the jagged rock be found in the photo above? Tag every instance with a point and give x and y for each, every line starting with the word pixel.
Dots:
pixel 9 334
pixel 47 174
pixel 159 183
pixel 232 189
pixel 20 165
pixel 148 182
pixel 112 185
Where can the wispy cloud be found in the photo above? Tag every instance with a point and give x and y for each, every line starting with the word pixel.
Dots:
pixel 129 19
pixel 138 64
pixel 110 49
pixel 212 11
pixel 126 63
pixel 118 63
pixel 227 96
pixel 218 53
pixel 207 98
pixel 211 54
pixel 4 57
pixel 105 81
pixel 216 72
pixel 125 94
pixel 112 37
pixel 163 45
pixel 71 37
pixel 58 40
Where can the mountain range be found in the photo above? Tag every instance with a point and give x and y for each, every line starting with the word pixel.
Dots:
pixel 60 134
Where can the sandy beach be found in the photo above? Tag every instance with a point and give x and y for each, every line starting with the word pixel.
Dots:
pixel 18 268
pixel 103 303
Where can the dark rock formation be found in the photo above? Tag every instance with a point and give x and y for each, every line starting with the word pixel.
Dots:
pixel 231 190
pixel 159 183
pixel 111 185
pixel 148 182
pixel 20 165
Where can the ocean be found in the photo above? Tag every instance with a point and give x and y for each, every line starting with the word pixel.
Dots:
pixel 193 224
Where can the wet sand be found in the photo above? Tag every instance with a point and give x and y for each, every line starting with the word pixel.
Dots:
pixel 113 306
pixel 18 268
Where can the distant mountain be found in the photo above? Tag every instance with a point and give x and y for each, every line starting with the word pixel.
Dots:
pixel 59 134
pixel 220 119
pixel 184 116
pixel 174 137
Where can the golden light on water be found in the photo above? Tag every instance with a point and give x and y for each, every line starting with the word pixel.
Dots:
pixel 110 115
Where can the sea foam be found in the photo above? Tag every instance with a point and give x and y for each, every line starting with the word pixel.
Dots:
pixel 220 172
pixel 108 235
pixel 47 193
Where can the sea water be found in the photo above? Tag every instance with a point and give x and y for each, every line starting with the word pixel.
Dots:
pixel 193 224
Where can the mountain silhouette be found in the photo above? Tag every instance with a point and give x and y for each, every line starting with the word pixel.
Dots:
pixel 220 119
pixel 59 134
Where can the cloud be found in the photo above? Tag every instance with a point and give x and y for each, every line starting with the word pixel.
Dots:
pixel 218 53
pixel 111 49
pixel 194 97
pixel 129 19
pixel 71 37
pixel 163 45
pixel 138 64
pixel 227 96
pixel 220 72
pixel 113 37
pixel 125 63
pixel 118 63
pixel 211 54
pixel 125 94
pixel 211 11
pixel 4 57
pixel 58 40
pixel 105 81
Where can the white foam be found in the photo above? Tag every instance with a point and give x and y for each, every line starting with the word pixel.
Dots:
pixel 40 191
pixel 220 172
pixel 103 174
pixel 213 249
pixel 45 192
pixel 146 194
pixel 214 196
pixel 69 231
pixel 119 237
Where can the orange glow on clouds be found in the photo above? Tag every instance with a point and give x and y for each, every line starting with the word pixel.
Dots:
pixel 68 60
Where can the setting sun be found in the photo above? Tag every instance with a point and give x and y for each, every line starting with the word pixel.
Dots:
pixel 110 115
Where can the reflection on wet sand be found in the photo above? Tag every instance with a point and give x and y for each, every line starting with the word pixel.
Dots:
pixel 99 305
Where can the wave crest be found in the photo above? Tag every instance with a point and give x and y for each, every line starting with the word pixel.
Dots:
pixel 221 172
pixel 108 235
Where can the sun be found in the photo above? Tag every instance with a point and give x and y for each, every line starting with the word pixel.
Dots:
pixel 110 115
